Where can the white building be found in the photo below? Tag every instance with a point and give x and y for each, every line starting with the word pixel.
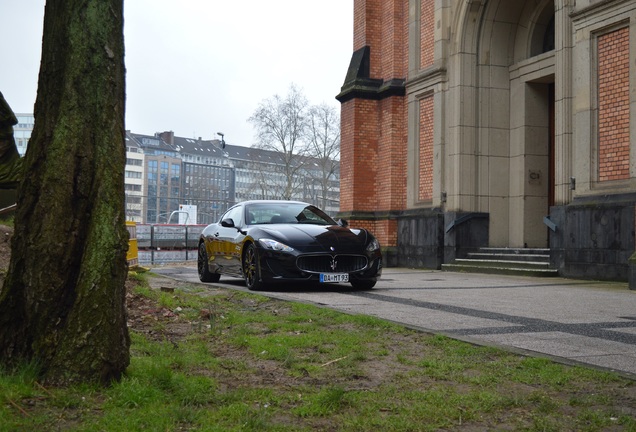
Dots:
pixel 22 131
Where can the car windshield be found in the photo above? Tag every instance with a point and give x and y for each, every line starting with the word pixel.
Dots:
pixel 287 213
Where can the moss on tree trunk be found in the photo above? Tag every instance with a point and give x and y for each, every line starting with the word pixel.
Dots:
pixel 63 301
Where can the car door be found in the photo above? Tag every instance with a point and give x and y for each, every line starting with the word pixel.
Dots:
pixel 228 240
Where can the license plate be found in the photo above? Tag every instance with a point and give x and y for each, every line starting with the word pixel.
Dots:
pixel 334 277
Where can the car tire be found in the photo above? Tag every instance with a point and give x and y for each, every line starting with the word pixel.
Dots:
pixel 202 266
pixel 362 284
pixel 251 269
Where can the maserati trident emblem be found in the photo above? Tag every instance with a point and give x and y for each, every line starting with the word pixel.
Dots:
pixel 334 264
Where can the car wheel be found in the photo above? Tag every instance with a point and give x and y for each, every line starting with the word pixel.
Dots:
pixel 251 268
pixel 362 284
pixel 202 266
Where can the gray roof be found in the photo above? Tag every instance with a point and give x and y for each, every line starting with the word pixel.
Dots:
pixel 209 148
pixel 199 147
pixel 149 141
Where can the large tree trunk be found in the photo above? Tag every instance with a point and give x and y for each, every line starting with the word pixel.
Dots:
pixel 63 300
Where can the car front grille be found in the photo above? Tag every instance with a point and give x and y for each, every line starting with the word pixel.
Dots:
pixel 331 264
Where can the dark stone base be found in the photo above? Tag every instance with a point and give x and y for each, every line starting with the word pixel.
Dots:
pixel 464 233
pixel 632 272
pixel 593 240
pixel 429 238
pixel 420 237
pixel 390 257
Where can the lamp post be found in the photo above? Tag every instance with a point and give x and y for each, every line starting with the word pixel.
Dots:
pixel 221 134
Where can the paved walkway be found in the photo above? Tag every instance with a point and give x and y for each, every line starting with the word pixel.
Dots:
pixel 574 321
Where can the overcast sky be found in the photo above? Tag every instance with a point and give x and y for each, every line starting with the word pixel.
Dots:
pixel 198 67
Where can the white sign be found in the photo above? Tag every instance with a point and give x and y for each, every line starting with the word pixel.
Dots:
pixel 187 214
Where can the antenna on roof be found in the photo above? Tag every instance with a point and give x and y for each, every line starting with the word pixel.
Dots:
pixel 221 134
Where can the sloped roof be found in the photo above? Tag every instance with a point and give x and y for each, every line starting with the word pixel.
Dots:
pixel 199 147
pixel 149 141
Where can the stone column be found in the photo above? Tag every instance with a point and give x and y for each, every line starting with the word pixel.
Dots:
pixel 564 41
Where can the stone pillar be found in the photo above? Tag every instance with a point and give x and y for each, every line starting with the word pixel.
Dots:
pixel 373 124
pixel 564 40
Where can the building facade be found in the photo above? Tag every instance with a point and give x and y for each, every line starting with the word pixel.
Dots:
pixel 134 180
pixel 22 131
pixel 473 123
pixel 164 171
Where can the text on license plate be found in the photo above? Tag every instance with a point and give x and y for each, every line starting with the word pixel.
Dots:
pixel 334 277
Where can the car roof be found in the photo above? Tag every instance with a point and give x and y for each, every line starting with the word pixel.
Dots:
pixel 272 202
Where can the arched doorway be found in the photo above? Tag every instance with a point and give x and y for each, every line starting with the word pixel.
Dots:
pixel 506 143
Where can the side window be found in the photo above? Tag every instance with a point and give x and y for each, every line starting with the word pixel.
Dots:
pixel 236 214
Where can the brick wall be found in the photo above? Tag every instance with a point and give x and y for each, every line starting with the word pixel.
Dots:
pixel 613 113
pixel 382 25
pixel 425 175
pixel 392 53
pixel 358 155
pixel 373 130
pixel 391 190
pixel 367 28
pixel 427 34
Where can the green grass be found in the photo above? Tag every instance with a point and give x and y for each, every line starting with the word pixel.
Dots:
pixel 250 363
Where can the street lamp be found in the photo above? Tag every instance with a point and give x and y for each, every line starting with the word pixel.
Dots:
pixel 221 134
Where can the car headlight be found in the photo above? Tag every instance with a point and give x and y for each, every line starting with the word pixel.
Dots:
pixel 275 245
pixel 373 245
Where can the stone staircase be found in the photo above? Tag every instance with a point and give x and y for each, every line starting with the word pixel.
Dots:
pixel 508 261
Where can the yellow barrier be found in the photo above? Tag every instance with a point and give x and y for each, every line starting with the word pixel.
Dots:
pixel 132 256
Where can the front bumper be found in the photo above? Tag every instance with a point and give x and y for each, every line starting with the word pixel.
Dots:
pixel 280 266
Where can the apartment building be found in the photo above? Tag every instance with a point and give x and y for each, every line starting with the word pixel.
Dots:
pixel 164 171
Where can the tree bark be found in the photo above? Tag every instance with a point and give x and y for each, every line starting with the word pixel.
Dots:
pixel 63 301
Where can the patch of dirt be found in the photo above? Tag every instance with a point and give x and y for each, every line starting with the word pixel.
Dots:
pixel 148 317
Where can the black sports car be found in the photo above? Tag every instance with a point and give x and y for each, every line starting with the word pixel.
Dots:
pixel 286 241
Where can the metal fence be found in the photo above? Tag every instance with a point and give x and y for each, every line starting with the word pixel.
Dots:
pixel 162 244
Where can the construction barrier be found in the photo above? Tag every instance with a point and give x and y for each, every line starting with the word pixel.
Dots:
pixel 167 243
pixel 133 254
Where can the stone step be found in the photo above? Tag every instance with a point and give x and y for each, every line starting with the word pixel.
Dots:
pixel 510 261
pixel 503 263
pixel 516 251
pixel 509 256
pixel 505 270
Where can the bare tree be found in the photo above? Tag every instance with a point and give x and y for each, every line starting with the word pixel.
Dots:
pixel 63 301
pixel 271 169
pixel 323 138
pixel 281 125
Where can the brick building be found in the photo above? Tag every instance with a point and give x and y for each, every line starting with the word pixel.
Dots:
pixel 474 123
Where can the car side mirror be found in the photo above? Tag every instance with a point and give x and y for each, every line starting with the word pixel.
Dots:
pixel 227 223
pixel 343 223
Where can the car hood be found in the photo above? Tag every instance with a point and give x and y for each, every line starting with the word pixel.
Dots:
pixel 318 238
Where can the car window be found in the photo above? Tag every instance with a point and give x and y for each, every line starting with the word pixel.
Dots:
pixel 286 213
pixel 262 214
pixel 236 214
pixel 314 215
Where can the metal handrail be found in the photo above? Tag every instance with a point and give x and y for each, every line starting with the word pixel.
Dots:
pixel 548 222
pixel 462 219
pixel 8 209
